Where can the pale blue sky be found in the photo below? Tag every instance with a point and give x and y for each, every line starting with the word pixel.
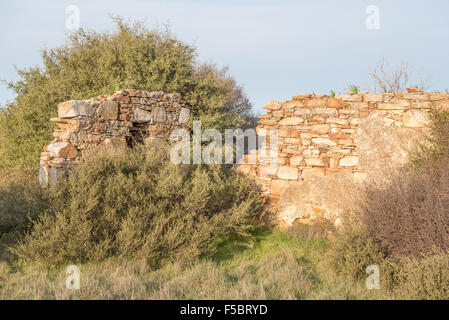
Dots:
pixel 275 49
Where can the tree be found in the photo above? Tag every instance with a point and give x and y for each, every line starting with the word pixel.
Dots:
pixel 92 63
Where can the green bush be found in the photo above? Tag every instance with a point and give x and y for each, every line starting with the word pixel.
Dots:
pixel 352 249
pixel 21 199
pixel 92 63
pixel 139 205
pixel 427 278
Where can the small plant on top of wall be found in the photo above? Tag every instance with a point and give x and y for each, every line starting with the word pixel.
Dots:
pixel 354 89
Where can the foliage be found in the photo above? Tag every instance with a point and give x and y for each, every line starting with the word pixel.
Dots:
pixel 21 199
pixel 139 205
pixel 92 63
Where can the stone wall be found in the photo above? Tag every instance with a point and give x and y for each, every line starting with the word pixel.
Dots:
pixel 328 146
pixel 126 117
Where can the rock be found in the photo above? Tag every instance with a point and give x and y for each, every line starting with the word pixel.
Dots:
pixel 312 173
pixel 289 214
pixel 336 103
pixel 415 119
pixel 319 128
pixel 296 160
pixel 327 111
pixel 414 90
pixel 288 173
pixel 350 161
pixel 267 170
pixel 373 97
pixel 314 162
pixel 272 105
pixel 108 110
pixel 324 141
pixel 291 121
pixel 62 150
pixel 278 187
pixel 75 108
pixel 142 116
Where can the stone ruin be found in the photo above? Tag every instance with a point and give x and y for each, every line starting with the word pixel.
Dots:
pixel 126 117
pixel 327 147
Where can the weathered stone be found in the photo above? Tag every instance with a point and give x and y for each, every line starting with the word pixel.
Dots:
pixel 62 150
pixel 314 162
pixel 324 111
pixel 291 121
pixel 373 97
pixel 108 110
pixel 296 160
pixel 350 161
pixel 336 103
pixel 288 173
pixel 324 141
pixel 416 119
pixel 272 105
pixel 320 128
pixel 312 173
pixel 142 116
pixel 315 103
pixel 75 108
pixel 393 106
pixel 349 97
pixel 267 170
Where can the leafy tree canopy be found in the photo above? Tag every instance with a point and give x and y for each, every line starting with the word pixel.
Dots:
pixel 92 63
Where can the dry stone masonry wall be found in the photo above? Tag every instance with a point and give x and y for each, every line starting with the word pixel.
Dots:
pixel 328 145
pixel 124 118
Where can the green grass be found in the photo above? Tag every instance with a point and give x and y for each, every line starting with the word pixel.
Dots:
pixel 274 266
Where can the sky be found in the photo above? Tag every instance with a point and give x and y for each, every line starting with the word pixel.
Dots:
pixel 275 49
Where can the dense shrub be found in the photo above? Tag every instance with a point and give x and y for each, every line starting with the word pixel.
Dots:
pixel 410 216
pixel 437 145
pixel 21 199
pixel 92 63
pixel 139 205
pixel 352 250
pixel 427 278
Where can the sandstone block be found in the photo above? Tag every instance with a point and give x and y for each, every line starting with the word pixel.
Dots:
pixel 288 173
pixel 350 161
pixel 291 121
pixel 320 128
pixel 296 160
pixel 142 116
pixel 272 105
pixel 108 110
pixel 415 119
pixel 324 141
pixel 311 173
pixel 327 111
pixel 336 103
pixel 75 108
pixel 314 162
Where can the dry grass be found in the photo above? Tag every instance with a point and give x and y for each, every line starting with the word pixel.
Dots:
pixel 278 266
